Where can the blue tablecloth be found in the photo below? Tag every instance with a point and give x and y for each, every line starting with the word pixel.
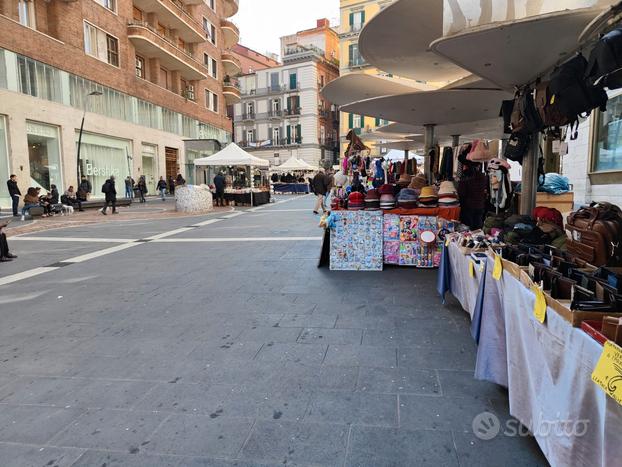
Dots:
pixel 546 368
pixel 291 188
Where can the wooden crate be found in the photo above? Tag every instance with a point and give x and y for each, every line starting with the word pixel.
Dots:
pixel 564 203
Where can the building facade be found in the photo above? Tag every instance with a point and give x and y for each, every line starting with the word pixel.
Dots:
pixel 354 15
pixel 281 113
pixel 251 60
pixel 146 75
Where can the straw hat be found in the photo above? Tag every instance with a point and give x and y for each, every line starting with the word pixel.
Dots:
pixel 428 194
pixel 447 188
pixel 404 180
pixel 418 182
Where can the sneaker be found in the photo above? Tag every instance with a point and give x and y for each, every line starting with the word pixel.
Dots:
pixel 23 217
pixel 11 256
pixel 103 212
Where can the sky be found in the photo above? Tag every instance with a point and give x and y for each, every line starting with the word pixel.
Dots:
pixel 263 22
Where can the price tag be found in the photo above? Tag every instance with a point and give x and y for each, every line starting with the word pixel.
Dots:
pixel 481 266
pixel 539 306
pixel 497 271
pixel 471 269
pixel 447 242
pixel 608 371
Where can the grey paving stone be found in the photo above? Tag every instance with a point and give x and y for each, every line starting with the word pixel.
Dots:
pixel 294 442
pixel 398 381
pixel 76 392
pixel 391 447
pixel 318 320
pixel 19 455
pixel 196 435
pixel 364 321
pixel 225 350
pixel 206 462
pixel 456 383
pixel 296 353
pixel 109 429
pixel 361 355
pixel 330 336
pixel 116 459
pixel 441 413
pixel 432 358
pixel 502 450
pixel 353 408
pixel 270 334
pixel 33 425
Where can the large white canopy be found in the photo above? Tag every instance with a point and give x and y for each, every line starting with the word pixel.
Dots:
pixel 232 155
pixel 294 164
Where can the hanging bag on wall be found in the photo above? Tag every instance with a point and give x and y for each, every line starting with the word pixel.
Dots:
pixel 517 146
pixel 605 59
pixel 507 106
pixel 483 150
pixel 550 115
pixel 532 123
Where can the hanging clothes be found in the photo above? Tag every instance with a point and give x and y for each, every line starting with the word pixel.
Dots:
pixel 446 170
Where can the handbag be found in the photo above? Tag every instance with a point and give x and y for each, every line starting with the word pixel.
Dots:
pixel 482 150
pixel 517 146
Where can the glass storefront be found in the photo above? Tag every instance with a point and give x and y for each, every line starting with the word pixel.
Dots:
pixel 5 199
pixel 149 166
pixel 196 149
pixel 103 156
pixel 44 155
pixel 607 154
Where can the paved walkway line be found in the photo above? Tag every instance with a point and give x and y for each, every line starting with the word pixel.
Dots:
pixel 237 239
pixel 26 275
pixel 73 239
pixel 97 254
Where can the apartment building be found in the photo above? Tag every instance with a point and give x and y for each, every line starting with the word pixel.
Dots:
pixel 354 15
pixel 147 75
pixel 281 113
pixel 251 60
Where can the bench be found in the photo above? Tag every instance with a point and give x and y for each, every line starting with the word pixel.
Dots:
pixel 100 203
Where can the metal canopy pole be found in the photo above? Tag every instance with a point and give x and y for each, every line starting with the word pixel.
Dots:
pixel 529 182
pixel 429 144
pixel 455 140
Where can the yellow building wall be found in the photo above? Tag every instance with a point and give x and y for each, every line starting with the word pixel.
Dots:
pixel 371 8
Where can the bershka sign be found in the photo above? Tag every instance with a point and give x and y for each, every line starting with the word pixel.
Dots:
pixel 104 171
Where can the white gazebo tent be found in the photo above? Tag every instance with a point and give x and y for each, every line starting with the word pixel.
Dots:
pixel 293 164
pixel 233 156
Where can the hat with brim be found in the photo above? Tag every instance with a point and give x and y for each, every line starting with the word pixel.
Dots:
pixel 356 201
pixel 418 182
pixel 428 193
pixel 386 189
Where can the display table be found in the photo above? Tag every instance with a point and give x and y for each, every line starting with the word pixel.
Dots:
pixel 259 197
pixel 291 187
pixel 546 368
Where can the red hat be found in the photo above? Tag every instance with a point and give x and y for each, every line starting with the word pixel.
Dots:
pixel 549 215
pixel 356 201
pixel 386 189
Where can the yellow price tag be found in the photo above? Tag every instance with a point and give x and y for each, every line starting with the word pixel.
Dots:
pixel 481 266
pixel 447 242
pixel 539 306
pixel 471 269
pixel 497 271
pixel 608 371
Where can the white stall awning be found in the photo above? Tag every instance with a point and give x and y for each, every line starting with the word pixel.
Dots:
pixel 232 155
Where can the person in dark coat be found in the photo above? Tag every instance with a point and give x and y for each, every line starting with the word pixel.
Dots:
pixel 320 187
pixel 5 254
pixel 111 195
pixel 14 192
pixel 129 187
pixel 161 187
pixel 180 181
pixel 219 184
pixel 85 187
pixel 171 185
pixel 142 188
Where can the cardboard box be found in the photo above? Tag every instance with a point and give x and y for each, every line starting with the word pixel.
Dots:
pixel 563 203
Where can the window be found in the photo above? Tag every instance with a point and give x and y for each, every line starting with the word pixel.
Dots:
pixel 212 4
pixel 274 82
pixel 110 4
pixel 211 100
pixel 355 121
pixel 137 14
pixel 607 154
pixel 355 56
pixel 357 20
pixel 161 29
pixel 293 81
pixel 250 108
pixel 321 81
pixel 181 43
pixel 39 80
pixel 100 45
pixel 140 67
pixel 293 105
pixel 210 31
pixel 187 90
pixel 276 105
pixel 43 155
pixel 276 135
pixel 214 69
pixel 250 136
pixel 4 161
pixel 113 50
pixel 211 65
pixel 322 134
pixel 164 79
pixel 26 10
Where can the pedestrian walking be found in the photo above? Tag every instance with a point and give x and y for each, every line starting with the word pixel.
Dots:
pixel 161 187
pixel 111 195
pixel 319 186
pixel 171 185
pixel 85 188
pixel 129 187
pixel 5 254
pixel 330 183
pixel 14 192
pixel 219 184
pixel 142 188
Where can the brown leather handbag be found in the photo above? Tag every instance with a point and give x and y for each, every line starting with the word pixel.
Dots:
pixel 596 234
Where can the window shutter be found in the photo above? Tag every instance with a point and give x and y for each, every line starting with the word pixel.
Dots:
pixel 299 133
pixel 363 17
pixel 351 19
pixel 292 80
pixel 289 134
pixel 351 52
pixel 350 120
pixel 377 121
pixel 362 121
pixel 289 104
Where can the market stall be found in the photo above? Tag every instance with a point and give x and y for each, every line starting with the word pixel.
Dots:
pixel 246 175
pixel 286 178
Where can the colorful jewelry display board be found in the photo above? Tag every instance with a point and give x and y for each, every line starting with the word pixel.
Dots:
pixel 356 241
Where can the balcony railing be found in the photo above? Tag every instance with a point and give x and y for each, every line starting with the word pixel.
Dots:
pixel 292 112
pixel 283 142
pixel 275 113
pixel 173 14
pixel 277 89
pixel 357 62
pixel 248 116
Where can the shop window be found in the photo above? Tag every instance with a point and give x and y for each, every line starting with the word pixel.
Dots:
pixel 149 165
pixel 4 162
pixel 44 155
pixel 102 156
pixel 140 67
pixel 26 11
pixel 607 154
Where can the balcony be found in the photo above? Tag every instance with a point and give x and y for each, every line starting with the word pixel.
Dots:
pixel 283 142
pixel 292 112
pixel 150 44
pixel 173 15
pixel 230 33
pixel 357 62
pixel 230 8
pixel 232 65
pixel 275 113
pixel 247 116
pixel 231 91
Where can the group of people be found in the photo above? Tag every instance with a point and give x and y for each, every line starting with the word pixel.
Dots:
pixel 287 178
pixel 140 189
pixel 51 202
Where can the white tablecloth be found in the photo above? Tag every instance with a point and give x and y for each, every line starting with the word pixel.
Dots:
pixel 546 368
